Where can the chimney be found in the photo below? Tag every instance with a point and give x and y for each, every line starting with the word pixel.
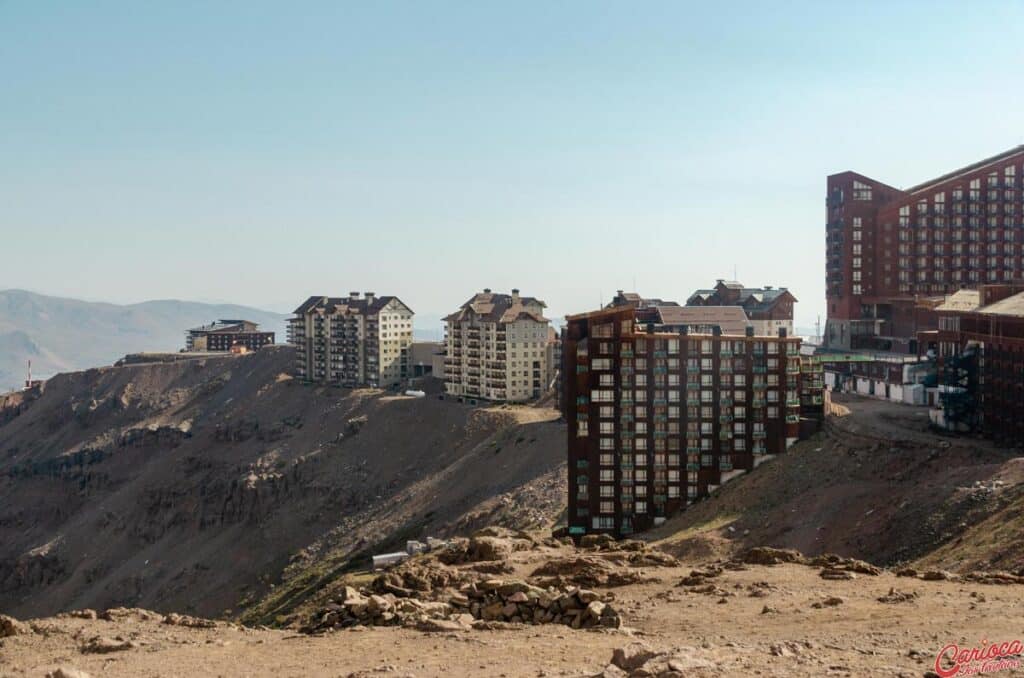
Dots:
pixel 353 295
pixel 750 330
pixel 515 296
pixel 768 288
pixel 369 298
pixel 487 290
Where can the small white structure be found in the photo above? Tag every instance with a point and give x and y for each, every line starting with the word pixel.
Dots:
pixel 385 559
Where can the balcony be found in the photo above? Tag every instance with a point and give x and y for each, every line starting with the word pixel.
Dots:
pixel 725 435
pixel 693 369
pixel 725 368
pixel 759 369
pixel 792 368
pixel 792 418
pixel 759 435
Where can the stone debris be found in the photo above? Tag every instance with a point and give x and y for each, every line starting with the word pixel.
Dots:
pixel 83 614
pixel 834 574
pixel 67 672
pixel 492 600
pixel 586 571
pixel 894 596
pixel 996 578
pixel 766 555
pixel 638 660
pixel 831 601
pixel 105 645
pixel 118 613
pixel 939 575
pixel 9 626
pixel 834 562
pixel 175 619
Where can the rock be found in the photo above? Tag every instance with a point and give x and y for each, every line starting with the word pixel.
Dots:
pixel 831 601
pixel 175 619
pixel 906 572
pixel 632 656
pixel 83 614
pixel 894 596
pixel 596 541
pixel 834 574
pixel 490 548
pixel 104 645
pixel 765 555
pixel 67 672
pixel 938 575
pixel 612 671
pixel 595 609
pixel 443 625
pixel 518 597
pixel 9 626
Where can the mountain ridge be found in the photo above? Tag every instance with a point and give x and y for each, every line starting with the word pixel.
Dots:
pixel 61 334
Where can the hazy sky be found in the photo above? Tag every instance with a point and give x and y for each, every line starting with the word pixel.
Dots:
pixel 262 152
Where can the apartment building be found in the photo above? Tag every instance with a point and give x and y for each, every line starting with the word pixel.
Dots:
pixel 769 309
pixel 497 348
pixel 889 251
pixel 223 335
pixel 352 341
pixel 658 416
pixel 980 342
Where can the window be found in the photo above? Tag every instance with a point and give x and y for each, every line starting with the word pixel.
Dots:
pixel 581 428
pixel 608 428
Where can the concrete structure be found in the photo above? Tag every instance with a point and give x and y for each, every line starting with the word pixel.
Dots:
pixel 659 417
pixel 893 254
pixel 768 309
pixel 352 341
pixel 423 356
pixel 222 335
pixel 497 348
pixel 981 364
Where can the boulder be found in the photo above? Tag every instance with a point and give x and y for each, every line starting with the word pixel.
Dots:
pixel 9 626
pixel 632 656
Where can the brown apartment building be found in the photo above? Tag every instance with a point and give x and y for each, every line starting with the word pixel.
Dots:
pixel 659 416
pixel 223 335
pixel 893 254
pixel 981 363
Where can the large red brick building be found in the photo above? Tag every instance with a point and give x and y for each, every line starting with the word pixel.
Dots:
pixel 892 254
pixel 660 414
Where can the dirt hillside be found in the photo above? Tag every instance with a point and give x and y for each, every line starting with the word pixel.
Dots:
pixel 877 485
pixel 192 486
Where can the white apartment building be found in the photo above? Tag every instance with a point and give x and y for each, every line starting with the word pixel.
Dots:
pixel 497 348
pixel 352 341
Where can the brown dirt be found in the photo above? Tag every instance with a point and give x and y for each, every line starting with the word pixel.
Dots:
pixel 781 620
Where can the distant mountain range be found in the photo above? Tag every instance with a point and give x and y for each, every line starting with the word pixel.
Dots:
pixel 59 334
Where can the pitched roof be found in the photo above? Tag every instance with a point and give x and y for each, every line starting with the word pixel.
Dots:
pixel 1012 306
pixel 731 319
pixel 351 304
pixel 635 300
pixel 500 308
pixel 961 300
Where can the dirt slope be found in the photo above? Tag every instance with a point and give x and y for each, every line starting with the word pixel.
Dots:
pixel 191 486
pixel 876 485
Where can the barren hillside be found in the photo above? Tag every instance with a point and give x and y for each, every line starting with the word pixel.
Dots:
pixel 877 485
pixel 191 486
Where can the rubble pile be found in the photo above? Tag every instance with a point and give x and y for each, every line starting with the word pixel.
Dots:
pixel 472 605
pixel 517 601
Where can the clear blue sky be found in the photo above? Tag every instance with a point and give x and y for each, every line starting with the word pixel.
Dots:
pixel 261 152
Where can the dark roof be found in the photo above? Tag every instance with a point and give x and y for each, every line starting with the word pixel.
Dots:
pixel 753 298
pixel 358 305
pixel 636 301
pixel 731 319
pixel 499 308
pixel 226 326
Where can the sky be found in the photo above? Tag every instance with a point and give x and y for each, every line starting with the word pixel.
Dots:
pixel 261 152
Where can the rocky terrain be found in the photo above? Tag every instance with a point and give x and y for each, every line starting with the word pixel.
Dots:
pixel 763 612
pixel 202 486
pixel 217 517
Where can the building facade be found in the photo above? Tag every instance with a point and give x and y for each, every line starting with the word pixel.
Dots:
pixel 890 251
pixel 497 348
pixel 223 335
pixel 981 365
pixel 352 341
pixel 658 418
pixel 769 309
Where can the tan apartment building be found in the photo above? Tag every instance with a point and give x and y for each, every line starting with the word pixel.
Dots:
pixel 497 348
pixel 352 341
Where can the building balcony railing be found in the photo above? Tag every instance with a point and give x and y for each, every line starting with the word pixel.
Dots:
pixel 724 465
pixel 792 418
pixel 759 435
